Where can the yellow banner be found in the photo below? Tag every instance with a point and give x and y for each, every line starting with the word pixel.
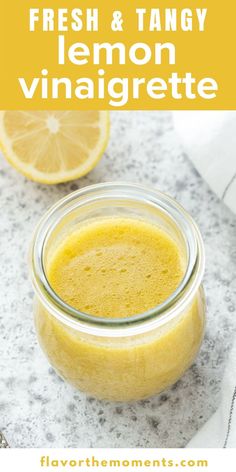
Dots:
pixel 118 54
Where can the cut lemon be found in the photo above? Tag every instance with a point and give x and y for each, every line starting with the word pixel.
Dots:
pixel 54 146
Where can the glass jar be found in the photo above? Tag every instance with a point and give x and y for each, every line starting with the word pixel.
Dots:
pixel 128 358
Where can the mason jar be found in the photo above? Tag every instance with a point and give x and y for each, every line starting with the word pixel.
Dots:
pixel 120 359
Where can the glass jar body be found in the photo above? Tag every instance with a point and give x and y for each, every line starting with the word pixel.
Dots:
pixel 123 369
pixel 121 359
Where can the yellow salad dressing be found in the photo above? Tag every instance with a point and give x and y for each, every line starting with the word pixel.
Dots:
pixel 118 268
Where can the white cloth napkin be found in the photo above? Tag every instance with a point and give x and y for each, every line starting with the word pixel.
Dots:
pixel 209 138
pixel 220 430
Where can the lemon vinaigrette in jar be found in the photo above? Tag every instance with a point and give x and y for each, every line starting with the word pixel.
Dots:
pixel 117 271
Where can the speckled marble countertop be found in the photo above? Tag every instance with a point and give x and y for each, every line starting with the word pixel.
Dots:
pixel 37 409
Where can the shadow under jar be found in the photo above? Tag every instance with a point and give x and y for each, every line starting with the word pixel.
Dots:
pixel 120 359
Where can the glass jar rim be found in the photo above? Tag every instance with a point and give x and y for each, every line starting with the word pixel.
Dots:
pixel 147 320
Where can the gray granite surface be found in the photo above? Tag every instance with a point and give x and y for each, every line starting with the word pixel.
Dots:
pixel 37 409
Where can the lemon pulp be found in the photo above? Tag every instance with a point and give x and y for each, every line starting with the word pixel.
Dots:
pixel 53 146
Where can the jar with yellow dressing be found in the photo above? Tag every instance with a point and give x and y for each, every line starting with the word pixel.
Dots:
pixel 119 307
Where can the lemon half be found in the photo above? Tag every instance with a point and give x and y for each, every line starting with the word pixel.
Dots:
pixel 53 146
